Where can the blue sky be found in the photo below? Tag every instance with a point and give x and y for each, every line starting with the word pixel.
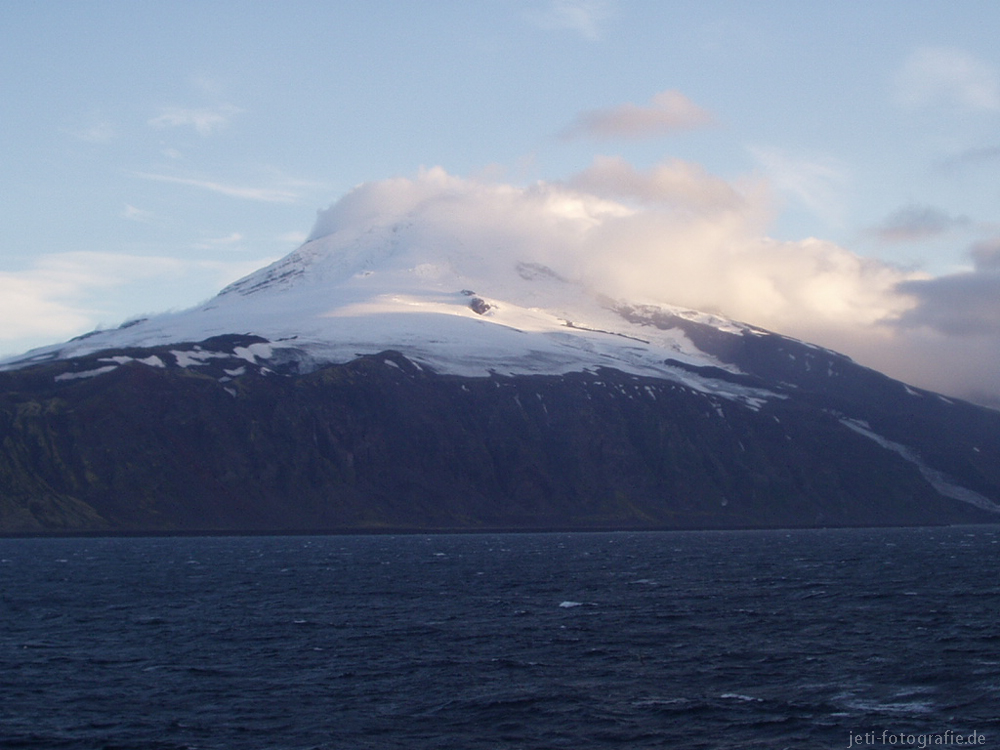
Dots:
pixel 154 151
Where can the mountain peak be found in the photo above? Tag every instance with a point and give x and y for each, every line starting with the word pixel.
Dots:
pixel 409 266
pixel 408 313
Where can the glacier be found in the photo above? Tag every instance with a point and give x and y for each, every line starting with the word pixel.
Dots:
pixel 443 305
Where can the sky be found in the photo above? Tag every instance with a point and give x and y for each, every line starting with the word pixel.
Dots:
pixel 829 171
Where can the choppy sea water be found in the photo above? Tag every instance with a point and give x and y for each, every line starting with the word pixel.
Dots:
pixel 778 639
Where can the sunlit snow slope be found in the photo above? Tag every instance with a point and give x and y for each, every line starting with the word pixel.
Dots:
pixel 446 300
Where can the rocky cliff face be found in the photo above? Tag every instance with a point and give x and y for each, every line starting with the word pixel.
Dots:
pixel 206 438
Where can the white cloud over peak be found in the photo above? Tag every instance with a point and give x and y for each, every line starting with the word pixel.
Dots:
pixel 676 183
pixel 677 235
pixel 716 258
pixel 934 76
pixel 206 121
pixel 667 112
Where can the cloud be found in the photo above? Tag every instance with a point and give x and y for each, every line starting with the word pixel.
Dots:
pixel 95 128
pixel 914 223
pixel 583 17
pixel 136 214
pixel 208 85
pixel 677 235
pixel 33 309
pixel 676 183
pixel 205 121
pixel 986 254
pixel 66 294
pixel 961 303
pixel 941 76
pixel 215 243
pixel 957 319
pixel 61 293
pixel 266 195
pixel 815 183
pixel 668 112
pixel 972 157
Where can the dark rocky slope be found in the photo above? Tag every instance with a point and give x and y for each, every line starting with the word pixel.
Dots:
pixel 381 443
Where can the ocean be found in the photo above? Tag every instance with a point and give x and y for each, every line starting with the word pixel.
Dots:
pixel 725 639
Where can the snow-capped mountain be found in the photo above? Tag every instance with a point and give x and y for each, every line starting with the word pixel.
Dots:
pixel 452 310
pixel 389 374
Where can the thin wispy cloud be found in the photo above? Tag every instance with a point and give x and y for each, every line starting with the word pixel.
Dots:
pixel 208 85
pixel 583 17
pixel 817 183
pixel 914 223
pixel 205 121
pixel 942 76
pixel 228 241
pixel 132 213
pixel 667 112
pixel 972 157
pixel 265 195
pixel 64 294
pixel 95 128
pixel 33 308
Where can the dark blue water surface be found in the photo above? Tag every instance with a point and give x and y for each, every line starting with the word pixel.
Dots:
pixel 635 640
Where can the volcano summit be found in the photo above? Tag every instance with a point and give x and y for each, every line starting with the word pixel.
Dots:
pixel 417 364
